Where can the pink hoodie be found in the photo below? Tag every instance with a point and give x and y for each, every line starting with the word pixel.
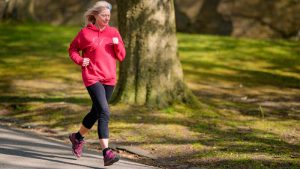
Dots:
pixel 98 47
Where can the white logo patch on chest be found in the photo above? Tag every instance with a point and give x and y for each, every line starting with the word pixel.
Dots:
pixel 98 41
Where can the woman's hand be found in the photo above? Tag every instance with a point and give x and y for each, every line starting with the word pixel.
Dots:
pixel 86 61
pixel 115 41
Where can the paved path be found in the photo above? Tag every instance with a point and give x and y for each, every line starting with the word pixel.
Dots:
pixel 19 149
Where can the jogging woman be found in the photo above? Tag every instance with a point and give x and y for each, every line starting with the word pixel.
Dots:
pixel 101 46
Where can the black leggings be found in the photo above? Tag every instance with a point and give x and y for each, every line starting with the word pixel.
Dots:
pixel 100 95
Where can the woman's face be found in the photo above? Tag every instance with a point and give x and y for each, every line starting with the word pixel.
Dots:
pixel 103 17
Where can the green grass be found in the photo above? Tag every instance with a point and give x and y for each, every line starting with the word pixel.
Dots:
pixel 249 90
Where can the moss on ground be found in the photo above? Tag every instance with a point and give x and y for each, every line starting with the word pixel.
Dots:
pixel 249 90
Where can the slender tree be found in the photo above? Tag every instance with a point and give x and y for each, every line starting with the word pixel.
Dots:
pixel 151 73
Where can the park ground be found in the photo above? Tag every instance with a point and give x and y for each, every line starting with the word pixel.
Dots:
pixel 249 94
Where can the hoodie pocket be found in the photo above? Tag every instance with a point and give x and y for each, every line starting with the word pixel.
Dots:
pixel 88 71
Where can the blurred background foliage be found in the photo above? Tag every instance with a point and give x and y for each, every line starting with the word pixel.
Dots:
pixel 239 18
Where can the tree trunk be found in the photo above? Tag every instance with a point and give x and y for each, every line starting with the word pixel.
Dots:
pixel 151 73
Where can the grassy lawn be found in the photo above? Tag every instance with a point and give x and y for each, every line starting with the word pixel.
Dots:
pixel 249 90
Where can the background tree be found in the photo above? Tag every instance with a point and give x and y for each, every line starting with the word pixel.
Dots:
pixel 151 74
pixel 17 9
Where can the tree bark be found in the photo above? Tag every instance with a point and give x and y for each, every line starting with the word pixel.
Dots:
pixel 151 73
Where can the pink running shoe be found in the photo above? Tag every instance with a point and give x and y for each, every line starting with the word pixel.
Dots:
pixel 110 157
pixel 77 145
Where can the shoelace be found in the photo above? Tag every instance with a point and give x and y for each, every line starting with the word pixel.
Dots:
pixel 78 146
pixel 110 154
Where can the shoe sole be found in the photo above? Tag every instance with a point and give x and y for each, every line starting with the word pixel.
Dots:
pixel 112 161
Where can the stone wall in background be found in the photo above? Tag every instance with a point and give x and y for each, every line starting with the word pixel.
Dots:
pixel 67 12
pixel 239 18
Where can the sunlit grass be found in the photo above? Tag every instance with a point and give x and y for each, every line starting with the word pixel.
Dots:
pixel 249 90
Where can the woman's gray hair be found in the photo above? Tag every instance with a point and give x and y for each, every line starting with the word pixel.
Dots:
pixel 89 15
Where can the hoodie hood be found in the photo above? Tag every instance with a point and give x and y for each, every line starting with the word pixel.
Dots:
pixel 93 27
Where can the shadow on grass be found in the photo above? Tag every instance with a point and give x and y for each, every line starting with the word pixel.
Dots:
pixel 19 99
pixel 47 113
pixel 266 148
pixel 35 52
pixel 261 141
pixel 251 78
pixel 253 64
pixel 281 54
pixel 252 164
pixel 229 163
pixel 45 40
